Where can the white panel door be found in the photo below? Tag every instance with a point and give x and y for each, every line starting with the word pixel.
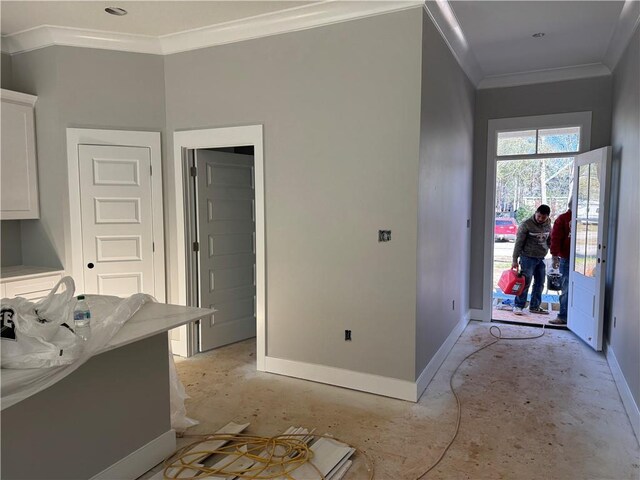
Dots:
pixel 226 236
pixel 589 245
pixel 117 226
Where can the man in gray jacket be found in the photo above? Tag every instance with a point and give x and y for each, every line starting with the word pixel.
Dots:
pixel 532 244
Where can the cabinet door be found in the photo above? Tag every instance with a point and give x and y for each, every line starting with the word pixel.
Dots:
pixel 19 195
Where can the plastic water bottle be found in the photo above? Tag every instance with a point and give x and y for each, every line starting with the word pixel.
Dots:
pixel 82 318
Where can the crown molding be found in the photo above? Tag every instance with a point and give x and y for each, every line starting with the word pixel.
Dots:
pixel 627 23
pixel 48 35
pixel 545 76
pixel 445 20
pixel 289 20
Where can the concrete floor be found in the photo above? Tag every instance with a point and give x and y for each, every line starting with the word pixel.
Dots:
pixel 545 408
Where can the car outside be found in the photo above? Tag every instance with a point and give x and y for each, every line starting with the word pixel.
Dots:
pixel 505 229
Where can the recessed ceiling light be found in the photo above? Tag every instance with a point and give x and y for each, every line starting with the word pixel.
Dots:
pixel 538 35
pixel 116 11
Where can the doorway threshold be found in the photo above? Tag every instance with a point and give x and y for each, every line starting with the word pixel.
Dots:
pixel 528 319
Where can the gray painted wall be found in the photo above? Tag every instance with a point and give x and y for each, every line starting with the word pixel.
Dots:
pixel 590 94
pixel 341 114
pixel 624 338
pixel 444 202
pixel 10 243
pixel 5 71
pixel 79 87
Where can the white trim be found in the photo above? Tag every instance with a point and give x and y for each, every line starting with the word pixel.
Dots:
pixel 74 246
pixel 340 377
pixel 18 97
pixel 142 460
pixel 628 401
pixel 583 119
pixel 479 314
pixel 438 359
pixel 289 20
pixel 217 138
pixel 544 76
pixel 627 23
pixel 445 20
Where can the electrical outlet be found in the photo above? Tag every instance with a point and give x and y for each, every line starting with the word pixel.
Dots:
pixel 384 235
pixel 347 335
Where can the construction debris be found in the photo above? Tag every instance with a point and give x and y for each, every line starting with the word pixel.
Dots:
pixel 228 454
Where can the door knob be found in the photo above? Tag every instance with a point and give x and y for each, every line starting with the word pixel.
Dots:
pixel 89 265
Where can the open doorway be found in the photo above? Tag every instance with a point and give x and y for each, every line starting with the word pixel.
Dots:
pixel 223 257
pixel 521 186
pixel 531 162
pixel 240 155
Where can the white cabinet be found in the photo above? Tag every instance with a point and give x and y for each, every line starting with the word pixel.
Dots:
pixel 19 178
pixel 32 283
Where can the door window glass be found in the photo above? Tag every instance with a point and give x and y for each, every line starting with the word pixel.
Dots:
pixel 592 221
pixel 582 219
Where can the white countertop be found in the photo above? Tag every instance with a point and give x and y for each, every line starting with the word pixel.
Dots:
pixel 154 318
pixel 26 271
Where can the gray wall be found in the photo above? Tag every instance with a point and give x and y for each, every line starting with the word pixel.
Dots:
pixel 341 114
pixel 444 202
pixel 79 87
pixel 624 338
pixel 5 71
pixel 590 94
pixel 10 243
pixel 109 407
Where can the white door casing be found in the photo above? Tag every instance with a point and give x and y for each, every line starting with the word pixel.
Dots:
pixel 590 217
pixel 226 257
pixel 250 135
pixel 117 227
pixel 113 171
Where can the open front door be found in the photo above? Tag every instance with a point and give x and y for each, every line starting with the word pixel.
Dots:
pixel 589 245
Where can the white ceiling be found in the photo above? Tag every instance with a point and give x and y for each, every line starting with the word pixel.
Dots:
pixel 491 39
pixel 499 33
pixel 144 18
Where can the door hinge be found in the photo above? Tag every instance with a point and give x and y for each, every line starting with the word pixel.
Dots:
pixel 153 246
pixel 150 170
pixel 194 172
pixel 196 247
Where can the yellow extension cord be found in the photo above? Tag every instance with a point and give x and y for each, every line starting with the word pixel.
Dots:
pixel 273 457
pixel 280 456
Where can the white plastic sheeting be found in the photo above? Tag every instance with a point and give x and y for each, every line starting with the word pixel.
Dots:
pixel 108 315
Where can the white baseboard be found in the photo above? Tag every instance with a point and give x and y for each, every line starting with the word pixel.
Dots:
pixel 434 364
pixel 142 460
pixel 625 393
pixel 478 314
pixel 366 382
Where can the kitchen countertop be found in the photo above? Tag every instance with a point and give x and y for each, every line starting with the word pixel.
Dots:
pixel 24 272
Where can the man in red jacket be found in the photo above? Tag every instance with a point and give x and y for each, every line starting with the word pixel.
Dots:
pixel 561 251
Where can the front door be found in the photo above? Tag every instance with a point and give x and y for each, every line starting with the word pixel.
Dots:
pixel 589 245
pixel 226 237
pixel 117 227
